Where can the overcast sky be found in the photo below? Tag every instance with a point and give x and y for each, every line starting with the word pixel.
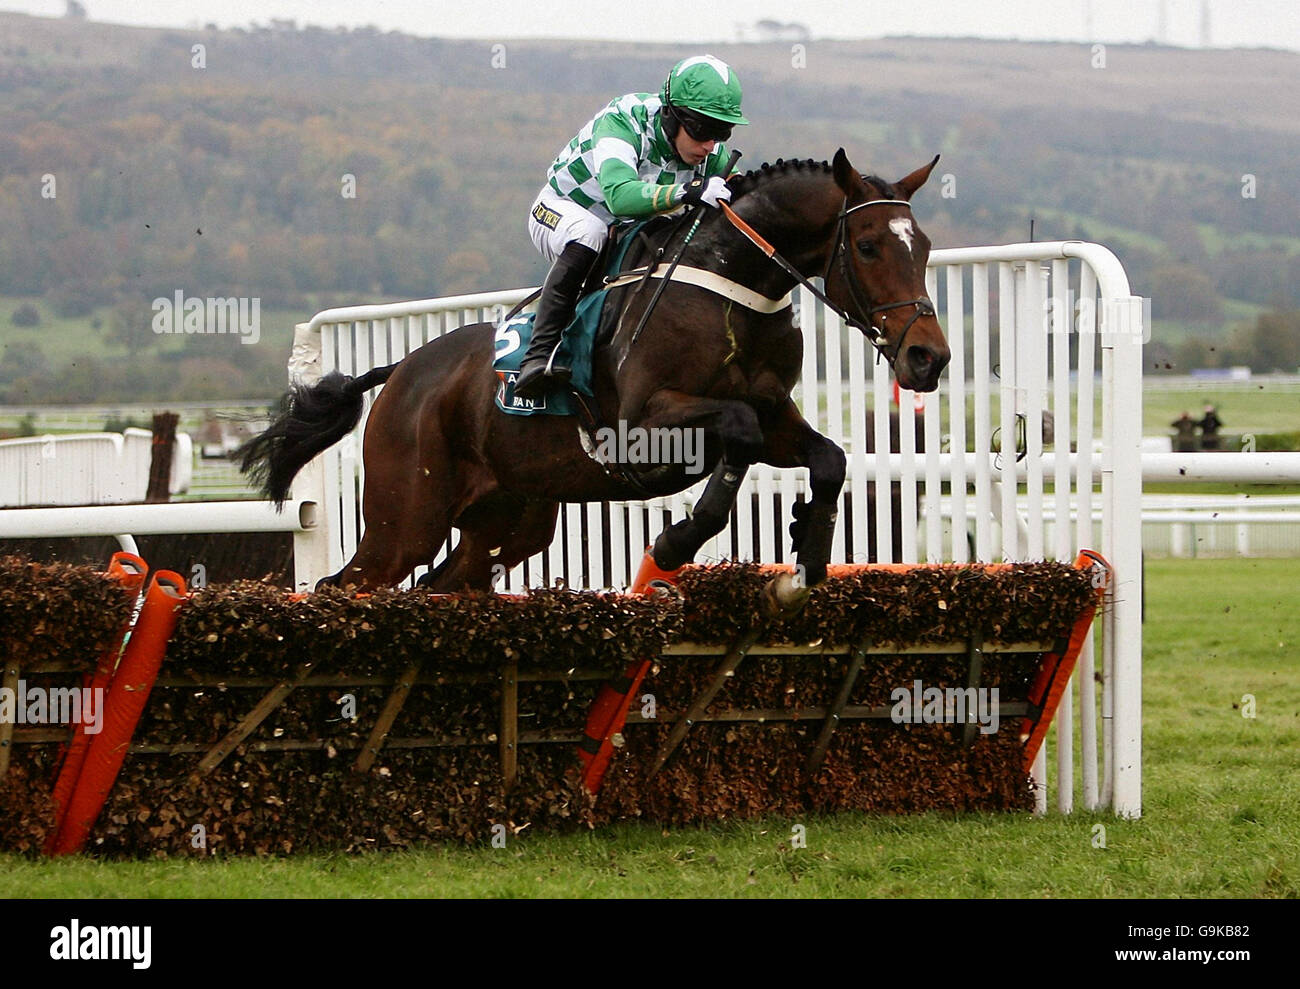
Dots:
pixel 1232 23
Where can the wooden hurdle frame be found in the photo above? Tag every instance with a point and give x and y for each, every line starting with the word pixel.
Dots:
pixel 80 803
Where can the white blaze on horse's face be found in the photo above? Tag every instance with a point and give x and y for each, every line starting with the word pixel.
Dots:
pixel 902 227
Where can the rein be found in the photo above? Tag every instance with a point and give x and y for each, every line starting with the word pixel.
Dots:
pixel 874 335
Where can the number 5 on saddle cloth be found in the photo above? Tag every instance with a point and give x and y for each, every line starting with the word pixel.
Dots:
pixel 576 346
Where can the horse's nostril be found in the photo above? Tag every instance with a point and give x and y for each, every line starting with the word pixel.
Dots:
pixel 921 358
pixel 928 359
pixel 926 365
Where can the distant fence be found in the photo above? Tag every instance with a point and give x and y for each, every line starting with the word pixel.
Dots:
pixel 86 468
pixel 1190 526
pixel 1186 382
pixel 93 417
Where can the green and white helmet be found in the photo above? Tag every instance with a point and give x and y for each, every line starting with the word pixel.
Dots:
pixel 706 85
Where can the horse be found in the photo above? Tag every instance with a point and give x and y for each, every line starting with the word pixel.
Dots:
pixel 439 455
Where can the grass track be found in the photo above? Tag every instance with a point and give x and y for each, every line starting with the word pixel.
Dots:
pixel 1221 806
pixel 1270 407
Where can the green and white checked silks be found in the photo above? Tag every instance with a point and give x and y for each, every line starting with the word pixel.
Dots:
pixel 621 165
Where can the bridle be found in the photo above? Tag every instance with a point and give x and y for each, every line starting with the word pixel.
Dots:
pixel 876 336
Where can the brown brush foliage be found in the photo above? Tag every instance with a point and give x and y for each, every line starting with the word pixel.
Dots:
pixel 276 802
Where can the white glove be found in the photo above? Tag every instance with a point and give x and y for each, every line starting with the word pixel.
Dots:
pixel 710 191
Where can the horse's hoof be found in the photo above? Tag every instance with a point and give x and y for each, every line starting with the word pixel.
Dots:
pixel 784 595
pixel 663 589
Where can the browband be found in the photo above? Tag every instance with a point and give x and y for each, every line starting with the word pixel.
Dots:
pixel 879 202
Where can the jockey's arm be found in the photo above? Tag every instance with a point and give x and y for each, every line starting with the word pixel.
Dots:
pixel 625 194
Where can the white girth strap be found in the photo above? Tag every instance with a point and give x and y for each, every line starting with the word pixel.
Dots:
pixel 715 283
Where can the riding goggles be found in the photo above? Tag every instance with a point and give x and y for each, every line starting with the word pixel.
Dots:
pixel 700 127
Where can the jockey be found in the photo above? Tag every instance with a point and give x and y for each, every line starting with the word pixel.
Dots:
pixel 640 155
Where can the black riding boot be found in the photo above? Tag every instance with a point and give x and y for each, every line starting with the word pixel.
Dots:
pixel 559 298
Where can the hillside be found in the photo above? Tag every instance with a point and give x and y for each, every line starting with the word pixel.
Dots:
pixel 226 179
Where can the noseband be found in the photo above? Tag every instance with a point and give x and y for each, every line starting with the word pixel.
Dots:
pixel 875 335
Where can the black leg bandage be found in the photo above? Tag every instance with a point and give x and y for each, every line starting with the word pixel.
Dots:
pixel 813 530
pixel 679 543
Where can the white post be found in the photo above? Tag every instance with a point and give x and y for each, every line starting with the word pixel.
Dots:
pixel 1038 773
pixel 984 504
pixel 1178 540
pixel 1085 534
pixel 1059 335
pixel 1125 507
pixel 957 412
pixel 310 547
pixel 1008 276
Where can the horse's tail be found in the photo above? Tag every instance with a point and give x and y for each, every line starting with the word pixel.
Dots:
pixel 312 418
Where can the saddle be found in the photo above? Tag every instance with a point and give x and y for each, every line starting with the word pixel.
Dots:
pixel 618 255
pixel 631 259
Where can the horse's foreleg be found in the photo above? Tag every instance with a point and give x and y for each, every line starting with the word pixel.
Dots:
pixel 679 543
pixel 794 443
pixel 729 425
pixel 732 426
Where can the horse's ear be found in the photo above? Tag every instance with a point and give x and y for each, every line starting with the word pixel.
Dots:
pixel 917 179
pixel 844 172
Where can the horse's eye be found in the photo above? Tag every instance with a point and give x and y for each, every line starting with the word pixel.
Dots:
pixel 867 248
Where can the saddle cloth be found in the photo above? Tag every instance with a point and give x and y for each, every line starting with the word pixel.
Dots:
pixel 576 346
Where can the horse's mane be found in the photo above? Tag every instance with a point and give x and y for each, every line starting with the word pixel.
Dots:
pixel 756 177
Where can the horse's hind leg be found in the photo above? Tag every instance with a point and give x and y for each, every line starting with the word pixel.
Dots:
pixel 407 505
pixel 391 548
pixel 493 541
pixel 382 560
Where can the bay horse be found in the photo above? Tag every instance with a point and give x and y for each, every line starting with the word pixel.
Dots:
pixel 438 454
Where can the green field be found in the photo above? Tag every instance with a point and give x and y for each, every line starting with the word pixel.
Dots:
pixel 1220 817
pixel 1236 312
pixel 1267 407
pixel 1216 241
pixel 64 339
